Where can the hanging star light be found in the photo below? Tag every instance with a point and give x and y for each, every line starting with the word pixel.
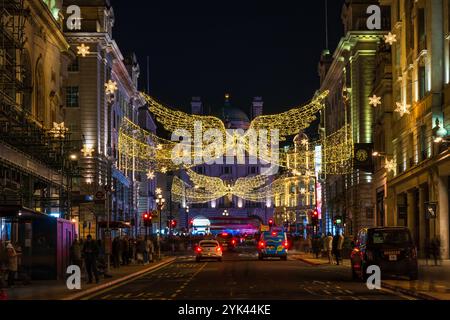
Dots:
pixel 59 130
pixel 158 191
pixel 303 191
pixel 83 50
pixel 390 166
pixel 159 147
pixel 87 151
pixel 111 87
pixel 163 170
pixel 304 142
pixel 375 101
pixel 402 108
pixel 150 175
pixel 390 38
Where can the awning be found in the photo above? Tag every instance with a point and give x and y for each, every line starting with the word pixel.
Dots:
pixel 12 211
pixel 114 225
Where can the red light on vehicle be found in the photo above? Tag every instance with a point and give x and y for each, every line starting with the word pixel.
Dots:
pixel 274 234
pixel 233 241
pixel 218 249
pixel 199 249
pixel 286 244
pixel 261 244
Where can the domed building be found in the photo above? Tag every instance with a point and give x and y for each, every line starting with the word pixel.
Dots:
pixel 229 214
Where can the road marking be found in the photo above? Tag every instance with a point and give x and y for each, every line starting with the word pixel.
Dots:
pixel 98 293
pixel 173 296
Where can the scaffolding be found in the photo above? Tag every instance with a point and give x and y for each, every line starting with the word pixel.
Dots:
pixel 19 129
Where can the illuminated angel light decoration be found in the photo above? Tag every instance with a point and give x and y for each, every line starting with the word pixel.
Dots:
pixel 403 108
pixel 375 101
pixel 390 166
pixel 83 50
pixel 87 151
pixel 390 38
pixel 59 130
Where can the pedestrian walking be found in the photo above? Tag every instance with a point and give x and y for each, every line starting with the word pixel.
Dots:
pixel 12 263
pixel 316 246
pixel 125 251
pixel 338 243
pixel 436 250
pixel 140 251
pixel 75 254
pixel 90 254
pixel 328 244
pixel 150 249
pixel 116 252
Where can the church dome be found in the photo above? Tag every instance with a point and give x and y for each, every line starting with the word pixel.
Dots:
pixel 230 114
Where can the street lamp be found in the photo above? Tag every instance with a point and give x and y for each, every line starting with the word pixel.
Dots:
pixel 160 202
pixel 225 213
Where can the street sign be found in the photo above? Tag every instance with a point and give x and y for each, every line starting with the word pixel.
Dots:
pixel 100 195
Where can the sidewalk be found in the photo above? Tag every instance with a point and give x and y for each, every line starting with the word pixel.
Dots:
pixel 433 283
pixel 57 290
pixel 310 259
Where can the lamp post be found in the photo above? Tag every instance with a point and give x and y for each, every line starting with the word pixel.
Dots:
pixel 160 202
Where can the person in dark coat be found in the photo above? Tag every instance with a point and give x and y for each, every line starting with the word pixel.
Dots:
pixel 116 251
pixel 90 254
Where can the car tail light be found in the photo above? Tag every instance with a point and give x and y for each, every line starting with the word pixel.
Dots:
pixel 233 241
pixel 261 244
pixel 199 249
pixel 218 249
pixel 286 244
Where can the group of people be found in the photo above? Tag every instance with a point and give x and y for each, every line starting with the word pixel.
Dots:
pixel 91 256
pixel 329 245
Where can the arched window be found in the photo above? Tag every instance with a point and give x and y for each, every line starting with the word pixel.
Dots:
pixel 27 82
pixel 39 93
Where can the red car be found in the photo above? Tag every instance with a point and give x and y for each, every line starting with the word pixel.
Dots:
pixel 227 241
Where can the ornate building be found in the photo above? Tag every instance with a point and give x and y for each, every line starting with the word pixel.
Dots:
pixel 414 161
pixel 101 93
pixel 348 74
pixel 228 207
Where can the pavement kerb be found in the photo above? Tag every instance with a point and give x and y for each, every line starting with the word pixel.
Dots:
pixel 120 280
pixel 409 292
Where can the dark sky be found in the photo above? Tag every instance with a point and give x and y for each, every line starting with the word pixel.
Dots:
pixel 247 48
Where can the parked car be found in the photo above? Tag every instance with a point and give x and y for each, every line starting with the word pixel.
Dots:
pixel 390 248
pixel 208 249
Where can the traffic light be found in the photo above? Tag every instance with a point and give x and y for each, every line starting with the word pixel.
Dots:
pixel 147 218
pixel 315 217
pixel 337 220
pixel 173 224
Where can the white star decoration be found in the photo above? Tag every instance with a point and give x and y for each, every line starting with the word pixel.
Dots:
pixel 390 38
pixel 402 108
pixel 59 130
pixel 83 50
pixel 163 170
pixel 87 151
pixel 375 101
pixel 390 166
pixel 303 191
pixel 159 147
pixel 150 175
pixel 158 191
pixel 110 87
pixel 305 142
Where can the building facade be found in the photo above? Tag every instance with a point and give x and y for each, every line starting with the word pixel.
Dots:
pixel 414 115
pixel 227 207
pixel 101 93
pixel 349 74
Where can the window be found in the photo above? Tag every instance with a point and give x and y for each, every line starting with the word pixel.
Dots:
pixel 253 170
pixel 422 36
pixel 422 82
pixel 423 143
pixel 74 67
pixel 226 170
pixel 72 95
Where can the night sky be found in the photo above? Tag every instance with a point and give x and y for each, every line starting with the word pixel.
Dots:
pixel 247 48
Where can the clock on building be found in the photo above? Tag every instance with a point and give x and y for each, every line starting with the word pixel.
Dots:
pixel 362 155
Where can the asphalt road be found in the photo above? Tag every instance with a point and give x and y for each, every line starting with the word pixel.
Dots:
pixel 242 277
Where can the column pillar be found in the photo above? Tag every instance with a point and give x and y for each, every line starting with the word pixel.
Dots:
pixel 443 216
pixel 422 221
pixel 410 212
